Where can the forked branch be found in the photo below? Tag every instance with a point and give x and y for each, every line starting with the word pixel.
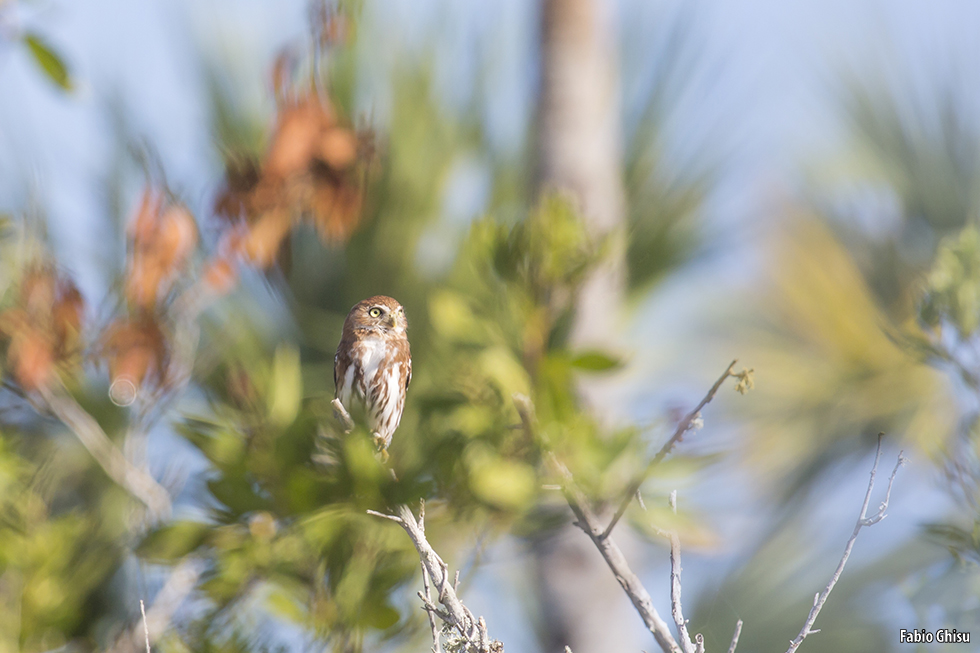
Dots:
pixel 683 427
pixel 471 630
pixel 676 610
pixel 862 521
pixel 611 553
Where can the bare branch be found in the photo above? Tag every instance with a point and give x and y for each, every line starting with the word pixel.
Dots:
pixel 456 615
pixel 136 481
pixel 675 587
pixel 611 553
pixel 683 427
pixel 146 629
pixel 436 641
pixel 862 521
pixel 738 633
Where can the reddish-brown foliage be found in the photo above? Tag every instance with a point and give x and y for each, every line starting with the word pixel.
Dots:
pixel 313 170
pixel 162 238
pixel 136 350
pixel 67 314
pixel 44 325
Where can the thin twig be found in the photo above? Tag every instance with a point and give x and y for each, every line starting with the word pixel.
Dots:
pixel 862 521
pixel 429 606
pixel 181 582
pixel 682 427
pixel 393 518
pixel 611 553
pixel 146 629
pixel 156 620
pixel 738 633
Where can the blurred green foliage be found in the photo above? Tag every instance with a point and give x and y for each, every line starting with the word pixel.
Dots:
pixel 857 334
pixel 952 293
pixel 63 535
pixel 950 317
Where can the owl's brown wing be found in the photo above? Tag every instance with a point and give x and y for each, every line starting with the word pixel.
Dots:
pixel 341 361
pixel 408 377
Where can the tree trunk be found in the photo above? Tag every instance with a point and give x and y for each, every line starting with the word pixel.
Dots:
pixel 579 149
pixel 579 152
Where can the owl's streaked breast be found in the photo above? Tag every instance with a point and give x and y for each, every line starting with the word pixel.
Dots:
pixel 369 355
pixel 372 352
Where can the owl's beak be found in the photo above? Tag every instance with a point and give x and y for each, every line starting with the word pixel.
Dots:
pixel 392 320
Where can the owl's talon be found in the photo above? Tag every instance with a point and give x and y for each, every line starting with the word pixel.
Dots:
pixel 379 442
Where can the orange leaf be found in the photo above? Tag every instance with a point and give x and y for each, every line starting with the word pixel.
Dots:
pixel 265 237
pixel 338 148
pixel 67 315
pixel 33 360
pixel 177 237
pixel 144 224
pixel 295 138
pixel 135 349
pixel 144 280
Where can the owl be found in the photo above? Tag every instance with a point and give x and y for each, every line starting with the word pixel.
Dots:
pixel 373 366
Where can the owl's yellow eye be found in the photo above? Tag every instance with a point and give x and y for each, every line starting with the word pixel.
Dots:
pixel 375 312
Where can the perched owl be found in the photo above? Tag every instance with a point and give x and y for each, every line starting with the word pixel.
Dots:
pixel 373 366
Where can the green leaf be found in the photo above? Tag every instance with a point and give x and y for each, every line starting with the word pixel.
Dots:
pixel 596 361
pixel 287 386
pixel 452 317
pixel 173 542
pixel 237 493
pixel 49 61
pixel 381 616
pixel 503 483
pixel 505 371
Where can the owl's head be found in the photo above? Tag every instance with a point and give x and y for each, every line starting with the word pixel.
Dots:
pixel 379 313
